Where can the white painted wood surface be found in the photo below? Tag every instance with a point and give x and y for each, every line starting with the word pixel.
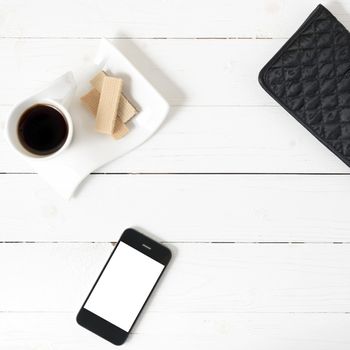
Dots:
pixel 254 208
pixel 160 18
pixel 232 126
pixel 203 278
pixel 176 208
pixel 184 331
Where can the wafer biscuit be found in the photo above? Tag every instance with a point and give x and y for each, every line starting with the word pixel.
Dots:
pixel 126 110
pixel 120 129
pixel 97 80
pixel 91 100
pixel 108 105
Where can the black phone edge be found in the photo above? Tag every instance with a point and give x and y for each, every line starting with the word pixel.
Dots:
pixel 102 327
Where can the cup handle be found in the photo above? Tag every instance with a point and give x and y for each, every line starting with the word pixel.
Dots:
pixel 61 90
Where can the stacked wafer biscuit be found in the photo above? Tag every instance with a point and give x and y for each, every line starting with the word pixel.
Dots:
pixel 108 104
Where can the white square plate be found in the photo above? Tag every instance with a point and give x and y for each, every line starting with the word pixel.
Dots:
pixel 90 150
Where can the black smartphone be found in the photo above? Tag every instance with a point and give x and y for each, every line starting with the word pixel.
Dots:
pixel 124 286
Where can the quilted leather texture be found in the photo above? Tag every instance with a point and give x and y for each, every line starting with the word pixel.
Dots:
pixel 310 78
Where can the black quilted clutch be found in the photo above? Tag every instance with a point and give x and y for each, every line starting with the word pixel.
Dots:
pixel 310 77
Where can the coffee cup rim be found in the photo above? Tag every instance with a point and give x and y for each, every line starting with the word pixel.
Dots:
pixel 12 127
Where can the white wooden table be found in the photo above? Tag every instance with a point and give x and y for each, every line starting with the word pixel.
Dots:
pixel 255 209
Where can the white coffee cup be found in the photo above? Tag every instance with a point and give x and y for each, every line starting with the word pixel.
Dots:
pixel 59 96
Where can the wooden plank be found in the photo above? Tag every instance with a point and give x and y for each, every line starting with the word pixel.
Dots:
pixel 223 18
pixel 203 278
pixel 186 330
pixel 216 140
pixel 229 208
pixel 231 67
pixel 283 146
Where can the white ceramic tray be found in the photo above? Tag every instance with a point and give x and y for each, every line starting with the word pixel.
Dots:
pixel 90 150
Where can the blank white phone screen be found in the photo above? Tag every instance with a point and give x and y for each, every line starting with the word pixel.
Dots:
pixel 124 286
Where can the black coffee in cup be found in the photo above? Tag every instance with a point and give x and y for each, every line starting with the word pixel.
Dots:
pixel 42 129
